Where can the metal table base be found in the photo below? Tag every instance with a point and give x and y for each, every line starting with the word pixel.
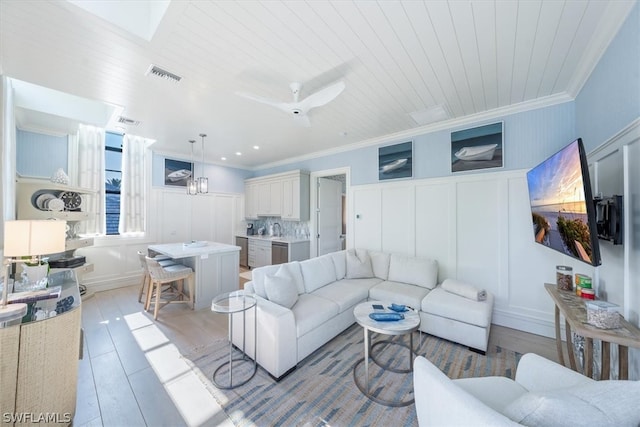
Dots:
pixel 244 358
pixel 368 353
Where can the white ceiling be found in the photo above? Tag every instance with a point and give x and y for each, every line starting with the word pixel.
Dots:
pixel 396 58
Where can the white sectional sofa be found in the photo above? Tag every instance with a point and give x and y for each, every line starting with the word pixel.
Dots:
pixel 303 305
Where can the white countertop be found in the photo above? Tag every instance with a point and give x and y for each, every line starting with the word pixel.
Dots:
pixel 179 250
pixel 282 239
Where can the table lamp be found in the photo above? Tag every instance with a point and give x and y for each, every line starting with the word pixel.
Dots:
pixel 28 239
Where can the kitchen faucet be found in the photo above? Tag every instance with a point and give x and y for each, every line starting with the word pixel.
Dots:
pixel 279 232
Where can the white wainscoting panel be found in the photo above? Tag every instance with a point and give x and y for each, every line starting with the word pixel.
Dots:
pixel 367 210
pixel 202 216
pixel 398 220
pixel 175 218
pixel 479 232
pixel 224 218
pixel 435 226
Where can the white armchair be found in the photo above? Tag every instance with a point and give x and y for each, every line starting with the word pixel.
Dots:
pixel 543 393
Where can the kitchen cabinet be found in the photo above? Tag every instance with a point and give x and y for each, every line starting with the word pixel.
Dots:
pixel 295 197
pixel 251 200
pixel 284 195
pixel 259 253
pixel 270 198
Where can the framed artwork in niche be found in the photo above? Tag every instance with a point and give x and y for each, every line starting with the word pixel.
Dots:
pixel 177 172
pixel 395 161
pixel 480 147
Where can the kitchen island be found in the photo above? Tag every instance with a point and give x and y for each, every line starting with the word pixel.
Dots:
pixel 216 267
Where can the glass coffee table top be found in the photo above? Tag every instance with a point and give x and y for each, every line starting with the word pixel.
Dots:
pixel 233 302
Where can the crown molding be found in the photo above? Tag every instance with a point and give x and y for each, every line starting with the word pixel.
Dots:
pixel 496 113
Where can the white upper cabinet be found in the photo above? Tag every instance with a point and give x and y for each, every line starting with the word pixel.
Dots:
pixel 283 195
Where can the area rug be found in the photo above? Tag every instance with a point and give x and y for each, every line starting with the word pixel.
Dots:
pixel 321 390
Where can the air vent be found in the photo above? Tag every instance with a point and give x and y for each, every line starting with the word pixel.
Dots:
pixel 128 121
pixel 154 70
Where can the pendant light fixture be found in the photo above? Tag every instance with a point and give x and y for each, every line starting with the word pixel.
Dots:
pixel 192 185
pixel 203 181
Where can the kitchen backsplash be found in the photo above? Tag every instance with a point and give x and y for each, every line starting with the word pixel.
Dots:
pixel 289 228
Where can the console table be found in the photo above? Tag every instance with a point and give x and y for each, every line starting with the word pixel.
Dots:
pixel 572 308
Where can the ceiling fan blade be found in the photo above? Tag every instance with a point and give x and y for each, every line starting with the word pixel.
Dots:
pixel 322 97
pixel 284 106
pixel 301 120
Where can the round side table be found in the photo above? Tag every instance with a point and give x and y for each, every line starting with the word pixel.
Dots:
pixel 407 326
pixel 232 303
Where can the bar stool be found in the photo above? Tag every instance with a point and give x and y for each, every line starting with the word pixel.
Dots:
pixel 167 276
pixel 163 260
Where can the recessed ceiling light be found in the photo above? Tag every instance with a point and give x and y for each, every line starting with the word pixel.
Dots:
pixel 223 158
pixel 255 147
pixel 238 153
pixel 343 133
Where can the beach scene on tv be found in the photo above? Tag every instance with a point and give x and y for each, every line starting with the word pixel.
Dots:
pixel 558 207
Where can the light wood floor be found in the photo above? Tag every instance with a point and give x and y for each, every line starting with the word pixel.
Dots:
pixel 132 373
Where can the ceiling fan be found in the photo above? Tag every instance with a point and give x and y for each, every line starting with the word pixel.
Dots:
pixel 298 109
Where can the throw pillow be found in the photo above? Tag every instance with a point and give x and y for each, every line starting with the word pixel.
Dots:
pixel 358 264
pixel 281 289
pixel 601 403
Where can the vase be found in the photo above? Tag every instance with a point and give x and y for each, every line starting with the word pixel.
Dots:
pixel 36 273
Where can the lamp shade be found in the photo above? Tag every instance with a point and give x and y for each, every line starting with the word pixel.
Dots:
pixel 29 238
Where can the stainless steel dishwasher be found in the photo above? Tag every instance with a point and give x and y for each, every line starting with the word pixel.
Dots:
pixel 279 253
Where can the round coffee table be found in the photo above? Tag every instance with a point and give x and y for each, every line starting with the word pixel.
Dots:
pixel 232 303
pixel 408 325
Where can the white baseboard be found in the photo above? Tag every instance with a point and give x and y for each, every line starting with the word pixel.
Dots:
pixel 524 323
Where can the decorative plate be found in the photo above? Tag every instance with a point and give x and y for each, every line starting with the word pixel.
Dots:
pixel 72 200
pixel 55 205
pixel 43 199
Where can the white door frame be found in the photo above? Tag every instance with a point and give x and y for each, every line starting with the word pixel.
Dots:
pixel 313 196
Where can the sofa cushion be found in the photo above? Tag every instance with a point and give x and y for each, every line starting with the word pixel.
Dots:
pixel 364 284
pixel 342 294
pixel 464 289
pixel 318 272
pixel 258 275
pixel 414 271
pixel 380 264
pixel 281 289
pixel 340 263
pixel 291 269
pixel 601 403
pixel 358 264
pixel 399 293
pixel 310 312
pixel 451 306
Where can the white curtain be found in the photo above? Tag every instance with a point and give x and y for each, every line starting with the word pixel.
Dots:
pixel 86 170
pixel 133 185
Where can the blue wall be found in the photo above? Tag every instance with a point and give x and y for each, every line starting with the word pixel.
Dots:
pixel 222 179
pixel 610 100
pixel 529 138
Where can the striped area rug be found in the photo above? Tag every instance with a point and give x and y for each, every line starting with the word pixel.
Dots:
pixel 321 391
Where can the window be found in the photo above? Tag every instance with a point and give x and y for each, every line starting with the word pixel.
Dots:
pixel 113 179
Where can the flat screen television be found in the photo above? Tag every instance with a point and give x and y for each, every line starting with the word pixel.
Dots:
pixel 562 206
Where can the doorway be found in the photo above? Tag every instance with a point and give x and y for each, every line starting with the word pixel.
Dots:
pixel 329 218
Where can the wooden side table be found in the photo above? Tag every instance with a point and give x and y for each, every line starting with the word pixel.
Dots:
pixel 573 309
